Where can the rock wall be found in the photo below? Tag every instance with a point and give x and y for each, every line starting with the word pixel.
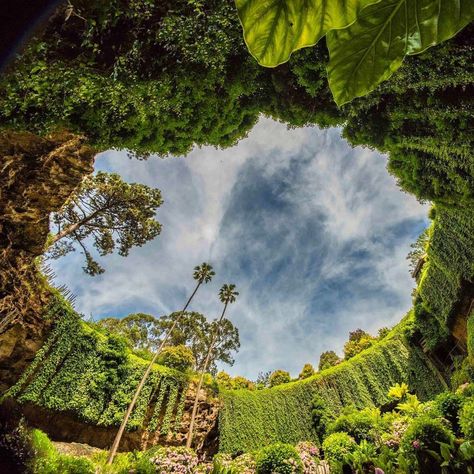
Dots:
pixel 37 175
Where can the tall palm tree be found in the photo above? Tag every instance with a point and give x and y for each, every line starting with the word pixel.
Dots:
pixel 202 274
pixel 227 295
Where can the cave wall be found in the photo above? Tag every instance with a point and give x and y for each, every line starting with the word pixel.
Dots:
pixel 37 175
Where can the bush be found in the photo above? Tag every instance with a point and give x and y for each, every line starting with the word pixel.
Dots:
pixel 309 454
pixel 177 357
pixel 279 377
pixel 466 419
pixel 169 460
pixel 425 433
pixel 279 458
pixel 48 461
pixel 337 447
pixel 358 424
pixel 448 405
pixel 306 371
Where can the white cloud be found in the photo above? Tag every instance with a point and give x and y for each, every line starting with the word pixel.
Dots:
pixel 285 260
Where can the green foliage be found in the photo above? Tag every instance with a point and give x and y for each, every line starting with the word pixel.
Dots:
pixel 466 418
pixel 177 357
pixel 371 49
pixel 279 458
pixel 48 461
pixel 273 29
pixel 424 433
pixel 279 377
pixel 306 371
pixel 320 414
pixel 357 424
pixel 359 340
pixel 328 359
pixel 234 383
pixel 94 376
pixel 449 405
pixel 252 419
pixel 337 447
pixel 367 40
pixel 398 391
pixel 109 212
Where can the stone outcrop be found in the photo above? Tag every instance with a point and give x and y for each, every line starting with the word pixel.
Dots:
pixel 37 175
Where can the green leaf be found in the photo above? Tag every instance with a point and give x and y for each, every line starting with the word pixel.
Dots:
pixel 273 29
pixel 370 50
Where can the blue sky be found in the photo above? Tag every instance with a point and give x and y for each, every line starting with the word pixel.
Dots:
pixel 314 234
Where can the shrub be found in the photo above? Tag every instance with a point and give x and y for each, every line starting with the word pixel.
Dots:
pixel 279 458
pixel 180 460
pixel 309 454
pixel 328 359
pixel 48 461
pixel 466 418
pixel 279 377
pixel 337 447
pixel 177 357
pixel 306 371
pixel 425 433
pixel 358 424
pixel 448 405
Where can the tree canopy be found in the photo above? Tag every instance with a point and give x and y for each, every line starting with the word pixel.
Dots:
pixel 109 213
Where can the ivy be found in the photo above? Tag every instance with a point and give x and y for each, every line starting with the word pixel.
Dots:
pixel 252 419
pixel 93 376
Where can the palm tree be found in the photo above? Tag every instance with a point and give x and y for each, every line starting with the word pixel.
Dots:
pixel 227 295
pixel 202 274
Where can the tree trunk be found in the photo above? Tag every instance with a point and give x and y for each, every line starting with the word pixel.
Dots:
pixel 118 437
pixel 189 439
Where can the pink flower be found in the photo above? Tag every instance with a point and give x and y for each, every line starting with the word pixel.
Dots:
pixel 416 444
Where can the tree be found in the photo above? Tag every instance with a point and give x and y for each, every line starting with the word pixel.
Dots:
pixel 328 359
pixel 307 371
pixel 418 249
pixel 141 331
pixel 195 331
pixel 227 295
pixel 358 341
pixel 202 274
pixel 234 383
pixel 109 213
pixel 263 379
pixel 177 357
pixel 279 377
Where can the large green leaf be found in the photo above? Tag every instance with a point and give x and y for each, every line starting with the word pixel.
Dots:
pixel 372 49
pixel 273 29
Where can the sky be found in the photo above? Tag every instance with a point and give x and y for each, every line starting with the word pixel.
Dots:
pixel 313 233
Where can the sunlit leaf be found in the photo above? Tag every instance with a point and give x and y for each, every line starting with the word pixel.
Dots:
pixel 273 29
pixel 370 50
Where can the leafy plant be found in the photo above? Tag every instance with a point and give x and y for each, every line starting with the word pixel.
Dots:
pixel 367 39
pixel 337 447
pixel 279 458
pixel 398 391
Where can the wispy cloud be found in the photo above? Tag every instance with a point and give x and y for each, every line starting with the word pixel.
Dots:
pixel 313 232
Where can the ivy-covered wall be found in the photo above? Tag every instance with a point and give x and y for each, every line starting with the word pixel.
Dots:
pixel 93 376
pixel 250 420
pixel 450 267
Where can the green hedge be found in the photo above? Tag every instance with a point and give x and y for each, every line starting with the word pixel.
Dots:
pixel 252 419
pixel 450 263
pixel 94 375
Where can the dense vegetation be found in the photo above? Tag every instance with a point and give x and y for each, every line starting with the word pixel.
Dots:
pixel 160 77
pixel 93 376
pixel 252 419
